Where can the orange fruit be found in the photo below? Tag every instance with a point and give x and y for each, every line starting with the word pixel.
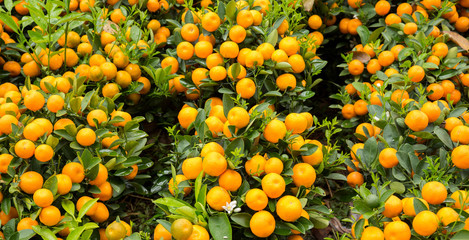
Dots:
pixel 397 230
pixel 30 182
pixel 26 223
pixel 64 184
pixel 75 171
pixel 173 185
pixel 50 216
pixel 289 208
pixel 211 21
pixel 458 156
pixel 382 7
pixel 431 110
pixel 262 224
pixel 273 185
pixel 392 207
pixel 230 180
pixel 217 198
pixel 275 130
pixel 256 199
pixel 160 232
pixel 416 120
pixel 355 179
pixel 303 175
pixel 255 166
pixel 447 215
pixel 425 223
pixel 86 137
pixel 43 153
pixel 24 148
pixel 214 164
pixel 286 81
pixel 82 201
pixel 388 158
pixel 43 197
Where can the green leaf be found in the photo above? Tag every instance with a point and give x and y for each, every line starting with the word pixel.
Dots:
pixel 69 207
pixel 87 206
pixel 231 10
pixel 220 227
pixel 86 100
pixel 419 206
pixel 228 104
pixel 51 184
pixel 443 135
pixel 364 34
pixel 242 219
pixel 462 235
pixel 44 232
pixel 272 38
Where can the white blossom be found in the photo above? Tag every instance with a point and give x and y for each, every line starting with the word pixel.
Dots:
pixel 231 207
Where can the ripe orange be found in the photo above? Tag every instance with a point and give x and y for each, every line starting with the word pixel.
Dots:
pixel 43 153
pixel 211 21
pixel 459 155
pixel 275 130
pixel 303 175
pixel 388 158
pixel 416 120
pixel 289 45
pixel 186 116
pixel 425 223
pixel 26 223
pixel 75 171
pixel 173 185
pixel 64 184
pixel 160 232
pixel 24 148
pixel 86 137
pixel 431 110
pixel 355 67
pixel 50 216
pixel 256 199
pixel 30 182
pixel 43 197
pixel 262 224
pixel 382 7
pixel 416 73
pixel 289 208
pixel 273 185
pixel 392 207
pixel 82 201
pixel 372 233
pixel 286 81
pixel 447 215
pixel 397 231
pixel 355 179
pixel 217 198
pixel 230 180
pixel 214 164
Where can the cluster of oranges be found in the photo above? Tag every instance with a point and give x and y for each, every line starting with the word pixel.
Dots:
pixel 424 222
pixel 407 91
pixel 218 61
pixel 39 129
pixel 238 179
pixel 213 162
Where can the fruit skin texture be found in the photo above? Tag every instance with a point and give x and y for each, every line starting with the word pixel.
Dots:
pixel 289 208
pixel 115 230
pixel 273 185
pixel 397 231
pixel 459 157
pixel 181 229
pixel 416 120
pixel 392 207
pixel 372 233
pixel 425 223
pixel 434 193
pixel 218 197
pixel 262 224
